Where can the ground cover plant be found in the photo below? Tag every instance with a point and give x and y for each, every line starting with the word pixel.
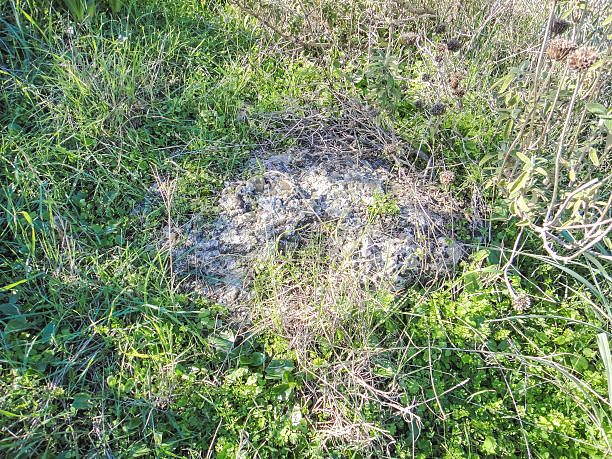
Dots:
pixel 120 124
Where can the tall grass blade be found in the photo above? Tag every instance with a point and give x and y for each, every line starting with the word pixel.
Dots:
pixel 604 349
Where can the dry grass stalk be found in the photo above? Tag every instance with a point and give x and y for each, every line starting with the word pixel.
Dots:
pixel 166 189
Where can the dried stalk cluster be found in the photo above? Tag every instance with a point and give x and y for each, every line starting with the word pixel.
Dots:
pixel 447 177
pixel 583 58
pixel 453 45
pixel 559 48
pixel 438 109
pixel 409 38
pixel 455 82
pixel 577 58
pixel 559 26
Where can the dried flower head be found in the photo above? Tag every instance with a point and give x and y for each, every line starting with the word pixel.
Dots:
pixel 438 109
pixel 582 58
pixel 459 92
pixel 455 80
pixel 409 38
pixel 447 177
pixel 442 48
pixel 521 303
pixel 419 104
pixel 453 45
pixel 559 48
pixel 559 26
pixel 389 149
pixel 440 28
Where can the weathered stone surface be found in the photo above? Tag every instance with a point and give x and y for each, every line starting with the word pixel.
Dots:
pixel 383 228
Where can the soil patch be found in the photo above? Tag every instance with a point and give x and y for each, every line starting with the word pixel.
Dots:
pixel 387 227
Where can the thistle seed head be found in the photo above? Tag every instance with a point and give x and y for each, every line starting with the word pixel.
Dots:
pixel 582 58
pixel 440 28
pixel 409 38
pixel 453 45
pixel 441 48
pixel 559 26
pixel 521 303
pixel 455 80
pixel 389 149
pixel 559 48
pixel 447 177
pixel 438 109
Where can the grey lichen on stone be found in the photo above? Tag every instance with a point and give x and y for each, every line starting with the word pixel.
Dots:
pixel 290 197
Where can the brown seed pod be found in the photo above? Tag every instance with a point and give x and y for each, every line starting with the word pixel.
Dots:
pixel 447 177
pixel 453 45
pixel 389 149
pixel 409 38
pixel 440 28
pixel 438 109
pixel 583 58
pixel 559 48
pixel 559 26
pixel 459 92
pixel 455 80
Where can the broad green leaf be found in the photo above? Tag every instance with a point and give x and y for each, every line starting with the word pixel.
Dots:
pixel 523 157
pixel 522 204
pixel 593 157
pixel 517 186
pixel 283 391
pixel 276 368
pixel 14 128
pixel 255 359
pixel 486 159
pixel 598 109
pixel 48 333
pixel 222 342
pixel 16 325
pixel 481 255
pixel 15 284
pixel 81 402
pixel 489 445
pixel 10 309
pixel 504 82
pixel 115 5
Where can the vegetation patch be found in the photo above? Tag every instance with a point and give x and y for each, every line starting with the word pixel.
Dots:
pixel 411 203
pixel 385 226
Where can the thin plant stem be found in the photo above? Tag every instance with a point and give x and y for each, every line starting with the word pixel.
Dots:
pixel 560 149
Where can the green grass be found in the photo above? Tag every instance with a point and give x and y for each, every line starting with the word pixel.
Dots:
pixel 103 354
